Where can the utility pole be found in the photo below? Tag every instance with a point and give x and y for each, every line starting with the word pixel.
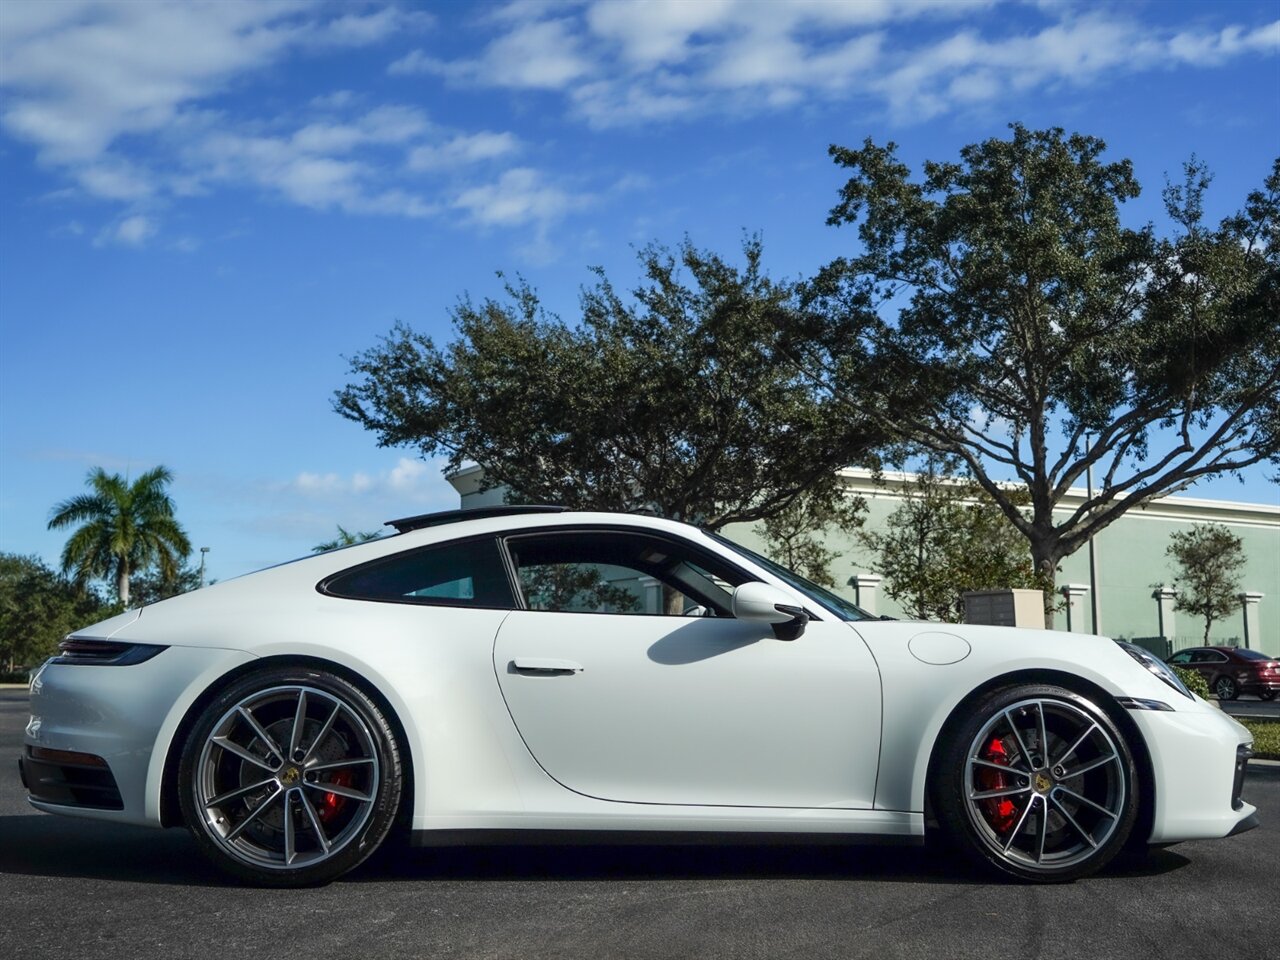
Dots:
pixel 205 550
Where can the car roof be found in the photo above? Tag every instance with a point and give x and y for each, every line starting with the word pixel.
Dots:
pixel 442 517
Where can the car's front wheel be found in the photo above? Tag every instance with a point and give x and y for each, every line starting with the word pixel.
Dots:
pixel 1226 688
pixel 291 777
pixel 1038 783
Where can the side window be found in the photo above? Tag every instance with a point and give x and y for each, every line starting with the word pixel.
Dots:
pixel 1181 659
pixel 467 574
pixel 620 573
pixel 1208 656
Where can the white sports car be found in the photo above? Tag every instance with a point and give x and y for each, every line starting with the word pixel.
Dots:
pixel 533 671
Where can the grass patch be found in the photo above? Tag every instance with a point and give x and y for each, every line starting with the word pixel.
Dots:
pixel 1266 737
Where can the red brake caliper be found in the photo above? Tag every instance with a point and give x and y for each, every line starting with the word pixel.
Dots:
pixel 1001 812
pixel 331 803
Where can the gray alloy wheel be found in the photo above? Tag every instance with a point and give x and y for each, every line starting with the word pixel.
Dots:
pixel 1226 688
pixel 1039 784
pixel 291 777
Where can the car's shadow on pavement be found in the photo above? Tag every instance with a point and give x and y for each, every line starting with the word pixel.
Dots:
pixel 46 846
pixel 807 861
pixel 40 845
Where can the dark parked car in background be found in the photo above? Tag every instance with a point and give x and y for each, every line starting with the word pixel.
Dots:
pixel 1231 671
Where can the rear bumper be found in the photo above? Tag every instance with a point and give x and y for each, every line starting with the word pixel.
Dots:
pixel 1198 759
pixel 68 780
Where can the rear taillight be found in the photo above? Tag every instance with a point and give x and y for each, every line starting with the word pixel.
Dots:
pixel 104 653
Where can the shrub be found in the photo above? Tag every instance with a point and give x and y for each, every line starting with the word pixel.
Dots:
pixel 1194 680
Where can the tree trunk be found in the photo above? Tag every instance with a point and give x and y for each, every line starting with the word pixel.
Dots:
pixel 672 601
pixel 122 583
pixel 1208 625
pixel 1045 558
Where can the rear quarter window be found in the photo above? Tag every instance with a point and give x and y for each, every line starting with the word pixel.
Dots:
pixel 468 573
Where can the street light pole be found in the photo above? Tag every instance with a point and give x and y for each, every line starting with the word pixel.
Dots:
pixel 203 552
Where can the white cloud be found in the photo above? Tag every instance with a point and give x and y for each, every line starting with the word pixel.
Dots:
pixel 537 54
pixel 1212 49
pixel 80 76
pixel 131 231
pixel 409 480
pixel 338 100
pixel 323 165
pixel 519 196
pixel 635 63
pixel 463 150
pixel 119 98
pixel 382 125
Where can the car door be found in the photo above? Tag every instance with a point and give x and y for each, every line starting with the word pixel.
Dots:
pixel 620 697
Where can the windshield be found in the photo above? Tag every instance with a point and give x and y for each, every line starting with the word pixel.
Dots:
pixel 831 602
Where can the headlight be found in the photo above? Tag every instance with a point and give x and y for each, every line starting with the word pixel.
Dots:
pixel 1157 667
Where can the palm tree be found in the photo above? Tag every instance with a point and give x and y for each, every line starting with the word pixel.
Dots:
pixel 124 528
pixel 346 538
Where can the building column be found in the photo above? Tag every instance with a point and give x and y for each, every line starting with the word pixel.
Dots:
pixel 652 595
pixel 1075 616
pixel 1165 596
pixel 865 586
pixel 1249 602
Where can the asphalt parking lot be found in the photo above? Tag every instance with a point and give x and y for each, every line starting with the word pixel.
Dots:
pixel 78 889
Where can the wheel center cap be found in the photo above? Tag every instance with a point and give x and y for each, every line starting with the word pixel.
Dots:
pixel 290 775
pixel 1042 782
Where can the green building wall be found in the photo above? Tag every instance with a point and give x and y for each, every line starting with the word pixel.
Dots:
pixel 1131 565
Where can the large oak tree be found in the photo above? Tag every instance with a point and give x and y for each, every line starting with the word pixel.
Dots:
pixel 1063 339
pixel 671 399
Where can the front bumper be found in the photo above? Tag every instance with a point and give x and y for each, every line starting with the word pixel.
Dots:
pixel 125 715
pixel 1199 757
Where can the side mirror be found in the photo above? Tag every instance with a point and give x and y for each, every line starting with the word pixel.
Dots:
pixel 767 604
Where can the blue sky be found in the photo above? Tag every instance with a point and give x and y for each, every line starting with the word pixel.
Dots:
pixel 205 206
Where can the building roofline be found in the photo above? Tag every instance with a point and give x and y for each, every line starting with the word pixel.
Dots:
pixel 467 480
pixel 1175 507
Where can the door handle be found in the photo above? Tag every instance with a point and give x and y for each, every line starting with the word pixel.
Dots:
pixel 543 666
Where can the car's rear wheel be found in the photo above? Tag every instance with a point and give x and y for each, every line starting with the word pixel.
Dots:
pixel 1038 783
pixel 1226 688
pixel 1267 694
pixel 291 777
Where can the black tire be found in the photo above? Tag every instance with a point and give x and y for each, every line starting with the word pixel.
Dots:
pixel 1010 807
pixel 1267 694
pixel 291 777
pixel 1226 688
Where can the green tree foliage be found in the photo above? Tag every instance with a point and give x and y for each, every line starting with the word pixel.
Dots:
pixel 39 607
pixel 1062 339
pixel 947 538
pixel 575 587
pixel 795 536
pixel 123 528
pixel 1208 558
pixel 151 586
pixel 346 538
pixel 670 400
